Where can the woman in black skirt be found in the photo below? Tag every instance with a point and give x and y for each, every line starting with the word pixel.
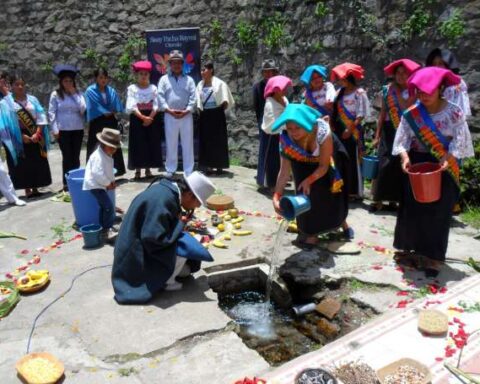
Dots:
pixel 102 105
pixel 213 99
pixel 145 135
pixel 27 119
pixel 318 161
pixel 432 130
pixel 395 99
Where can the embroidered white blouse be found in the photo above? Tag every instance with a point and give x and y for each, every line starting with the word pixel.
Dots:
pixel 141 98
pixel 40 118
pixel 325 95
pixel 271 113
pixel 357 103
pixel 404 95
pixel 458 94
pixel 450 122
pixel 323 132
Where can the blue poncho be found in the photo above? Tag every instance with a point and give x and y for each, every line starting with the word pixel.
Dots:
pixel 96 105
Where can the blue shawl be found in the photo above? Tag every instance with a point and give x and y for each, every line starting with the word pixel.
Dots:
pixel 96 106
pixel 10 132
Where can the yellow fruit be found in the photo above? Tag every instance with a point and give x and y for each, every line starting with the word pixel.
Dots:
pixel 227 237
pixel 233 212
pixel 227 218
pixel 238 226
pixel 242 233
pixel 218 244
pixel 221 227
pixel 238 220
pixel 292 227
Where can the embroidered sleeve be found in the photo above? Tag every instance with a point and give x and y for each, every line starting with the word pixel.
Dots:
pixel 131 105
pixel 362 108
pixel 458 94
pixel 330 92
pixel 461 145
pixel 403 137
pixel 154 97
pixel 323 131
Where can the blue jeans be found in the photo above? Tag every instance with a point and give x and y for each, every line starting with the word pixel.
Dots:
pixel 107 210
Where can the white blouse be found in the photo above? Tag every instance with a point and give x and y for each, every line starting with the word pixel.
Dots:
pixel 357 103
pixel 67 114
pixel 40 118
pixel 458 94
pixel 271 113
pixel 325 95
pixel 323 132
pixel 450 122
pixel 141 98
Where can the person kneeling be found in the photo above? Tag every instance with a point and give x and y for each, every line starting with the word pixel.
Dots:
pixel 152 248
pixel 100 177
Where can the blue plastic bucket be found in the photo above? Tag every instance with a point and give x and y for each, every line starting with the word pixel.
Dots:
pixel 370 167
pixel 293 206
pixel 85 206
pixel 92 235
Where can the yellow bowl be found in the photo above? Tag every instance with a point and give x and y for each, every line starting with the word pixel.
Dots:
pixel 40 368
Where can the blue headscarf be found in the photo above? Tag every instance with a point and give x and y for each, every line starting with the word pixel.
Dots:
pixel 96 106
pixel 301 114
pixel 308 73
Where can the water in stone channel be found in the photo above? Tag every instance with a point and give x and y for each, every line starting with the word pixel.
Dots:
pixel 278 335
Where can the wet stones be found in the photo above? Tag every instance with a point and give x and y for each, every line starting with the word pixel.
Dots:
pixel 329 307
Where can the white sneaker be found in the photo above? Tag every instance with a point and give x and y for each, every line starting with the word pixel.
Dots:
pixel 19 203
pixel 175 286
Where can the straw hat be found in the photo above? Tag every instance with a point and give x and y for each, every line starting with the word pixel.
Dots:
pixel 201 186
pixel 110 137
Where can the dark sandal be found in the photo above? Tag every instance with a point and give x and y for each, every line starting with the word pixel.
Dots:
pixel 406 260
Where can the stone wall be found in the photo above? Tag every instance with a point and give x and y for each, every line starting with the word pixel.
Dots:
pixel 38 33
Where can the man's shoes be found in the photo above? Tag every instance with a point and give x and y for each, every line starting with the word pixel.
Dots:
pixel 175 286
pixel 18 203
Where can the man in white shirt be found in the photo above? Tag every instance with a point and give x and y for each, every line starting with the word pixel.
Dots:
pixel 176 95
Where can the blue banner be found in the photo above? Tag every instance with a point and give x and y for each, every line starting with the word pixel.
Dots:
pixel 162 41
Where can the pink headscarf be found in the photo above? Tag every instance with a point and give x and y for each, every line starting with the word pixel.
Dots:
pixel 430 78
pixel 344 70
pixel 410 65
pixel 276 83
pixel 143 65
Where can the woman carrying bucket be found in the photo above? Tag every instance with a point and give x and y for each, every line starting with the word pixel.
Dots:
pixel 350 108
pixel 431 131
pixel 395 99
pixel 318 160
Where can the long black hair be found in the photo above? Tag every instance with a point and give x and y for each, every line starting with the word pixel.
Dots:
pixel 60 90
pixel 100 71
pixel 447 57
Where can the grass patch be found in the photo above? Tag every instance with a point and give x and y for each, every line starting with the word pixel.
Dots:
pixel 357 285
pixel 125 372
pixel 235 161
pixel 471 216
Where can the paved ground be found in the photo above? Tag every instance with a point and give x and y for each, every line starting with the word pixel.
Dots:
pixel 183 336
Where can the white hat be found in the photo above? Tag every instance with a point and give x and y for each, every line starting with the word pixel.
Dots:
pixel 201 186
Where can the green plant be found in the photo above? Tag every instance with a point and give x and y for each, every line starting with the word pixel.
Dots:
pixel 234 161
pixel 125 372
pixel 132 49
pixel 60 230
pixel 215 37
pixel 275 32
pixel 3 47
pixel 233 56
pixel 420 20
pixel 321 8
pixel 453 28
pixel 470 179
pixel 317 47
pixel 95 58
pixel 246 33
pixel 471 216
pixel 47 67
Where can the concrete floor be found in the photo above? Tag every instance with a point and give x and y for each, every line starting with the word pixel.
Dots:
pixel 180 337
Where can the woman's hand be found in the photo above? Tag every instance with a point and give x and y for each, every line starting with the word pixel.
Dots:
pixel 305 186
pixel 444 164
pixel 276 202
pixel 376 142
pixel 405 163
pixel 35 138
pixel 147 120
pixel 346 134
pixel 26 139
pixel 111 186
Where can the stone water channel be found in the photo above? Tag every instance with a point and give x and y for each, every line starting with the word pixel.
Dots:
pixel 272 329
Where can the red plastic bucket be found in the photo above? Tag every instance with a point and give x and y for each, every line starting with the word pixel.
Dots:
pixel 426 182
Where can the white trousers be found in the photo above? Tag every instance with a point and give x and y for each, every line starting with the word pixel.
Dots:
pixel 6 186
pixel 179 264
pixel 184 128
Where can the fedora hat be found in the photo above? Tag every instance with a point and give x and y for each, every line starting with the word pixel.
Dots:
pixel 175 55
pixel 269 64
pixel 201 186
pixel 110 137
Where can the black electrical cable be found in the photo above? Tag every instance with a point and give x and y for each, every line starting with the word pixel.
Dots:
pixel 58 298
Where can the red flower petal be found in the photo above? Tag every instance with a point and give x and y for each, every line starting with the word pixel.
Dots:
pixel 25 252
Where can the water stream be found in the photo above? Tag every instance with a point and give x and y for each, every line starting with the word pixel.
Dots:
pixel 282 229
